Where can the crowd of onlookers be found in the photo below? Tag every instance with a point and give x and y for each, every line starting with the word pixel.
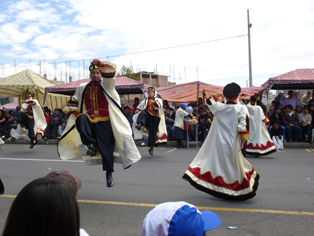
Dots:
pixel 289 116
pixel 56 122
pixel 294 115
pixel 199 112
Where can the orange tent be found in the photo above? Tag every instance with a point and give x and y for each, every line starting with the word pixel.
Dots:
pixel 187 92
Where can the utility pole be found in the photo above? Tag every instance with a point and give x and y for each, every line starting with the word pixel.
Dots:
pixel 249 25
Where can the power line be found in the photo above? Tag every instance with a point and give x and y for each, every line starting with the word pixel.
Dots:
pixel 153 50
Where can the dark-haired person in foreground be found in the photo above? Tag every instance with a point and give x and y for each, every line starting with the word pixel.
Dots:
pixel 45 206
pixel 98 123
pixel 219 168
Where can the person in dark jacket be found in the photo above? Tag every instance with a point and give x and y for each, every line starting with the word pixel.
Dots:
pixel 275 116
pixel 54 122
pixel 290 120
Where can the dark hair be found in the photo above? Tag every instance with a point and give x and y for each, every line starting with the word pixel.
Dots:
pixel 194 105
pixel 276 108
pixel 136 98
pixel 277 121
pixel 297 107
pixel 45 206
pixel 289 106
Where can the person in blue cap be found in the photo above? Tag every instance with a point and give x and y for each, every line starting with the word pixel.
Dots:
pixel 179 219
pixel 179 124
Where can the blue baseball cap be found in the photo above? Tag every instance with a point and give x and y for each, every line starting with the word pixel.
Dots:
pixel 178 219
pixel 184 105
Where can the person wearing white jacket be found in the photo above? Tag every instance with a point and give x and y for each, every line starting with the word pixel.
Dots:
pixel 179 124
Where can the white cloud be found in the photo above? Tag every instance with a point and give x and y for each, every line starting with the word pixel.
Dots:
pixel 281 36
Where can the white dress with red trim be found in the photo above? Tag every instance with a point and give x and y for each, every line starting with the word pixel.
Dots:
pixel 260 142
pixel 219 168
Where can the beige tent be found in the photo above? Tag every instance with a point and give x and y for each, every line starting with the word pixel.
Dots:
pixel 18 85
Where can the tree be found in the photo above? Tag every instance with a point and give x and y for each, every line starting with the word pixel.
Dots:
pixel 128 72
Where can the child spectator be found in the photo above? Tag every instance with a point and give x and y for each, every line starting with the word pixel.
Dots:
pixel 298 109
pixel 126 110
pixel 63 125
pixel 275 116
pixel 305 123
pixel 47 115
pixel 276 134
pixel 272 107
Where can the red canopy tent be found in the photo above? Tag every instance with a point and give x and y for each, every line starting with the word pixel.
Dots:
pixel 124 85
pixel 187 92
pixel 296 79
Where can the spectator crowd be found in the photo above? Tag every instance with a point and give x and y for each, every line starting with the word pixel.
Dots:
pixel 291 117
pixel 56 122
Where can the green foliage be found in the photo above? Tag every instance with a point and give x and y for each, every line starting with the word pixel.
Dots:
pixel 128 72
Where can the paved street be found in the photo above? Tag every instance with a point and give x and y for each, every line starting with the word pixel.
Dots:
pixel 284 204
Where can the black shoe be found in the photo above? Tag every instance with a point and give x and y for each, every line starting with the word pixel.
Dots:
pixel 91 150
pixel 109 179
pixel 31 146
pixel 151 151
pixel 14 125
pixel 13 138
pixel 178 144
pixel 127 167
pixel 257 155
pixel 138 127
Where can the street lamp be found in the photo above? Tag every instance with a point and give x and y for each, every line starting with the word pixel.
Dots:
pixel 249 25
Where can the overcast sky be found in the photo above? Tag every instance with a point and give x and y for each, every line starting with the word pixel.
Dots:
pixel 282 37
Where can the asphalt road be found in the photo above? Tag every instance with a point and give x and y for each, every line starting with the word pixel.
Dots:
pixel 284 204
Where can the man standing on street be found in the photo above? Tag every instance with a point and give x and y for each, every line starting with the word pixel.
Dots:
pixel 98 123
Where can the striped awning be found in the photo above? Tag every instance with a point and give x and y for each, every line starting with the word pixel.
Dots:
pixel 27 80
pixel 19 84
pixel 187 92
